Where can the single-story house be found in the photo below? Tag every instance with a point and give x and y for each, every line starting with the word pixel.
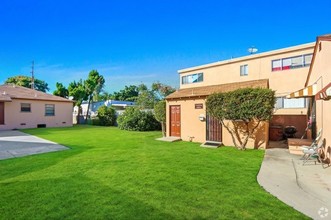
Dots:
pixel 119 106
pixel 94 106
pixel 22 107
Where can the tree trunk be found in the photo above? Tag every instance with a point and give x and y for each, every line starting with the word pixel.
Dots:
pixel 163 125
pixel 240 145
pixel 231 133
pixel 249 134
pixel 78 114
pixel 88 108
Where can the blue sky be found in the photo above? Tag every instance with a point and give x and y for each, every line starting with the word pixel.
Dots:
pixel 133 42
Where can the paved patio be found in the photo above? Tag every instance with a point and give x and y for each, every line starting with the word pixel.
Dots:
pixel 18 144
pixel 306 188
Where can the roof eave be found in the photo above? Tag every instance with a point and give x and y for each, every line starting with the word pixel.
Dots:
pixel 318 40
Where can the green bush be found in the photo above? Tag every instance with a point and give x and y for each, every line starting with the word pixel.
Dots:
pixel 245 108
pixel 95 121
pixel 133 119
pixel 106 116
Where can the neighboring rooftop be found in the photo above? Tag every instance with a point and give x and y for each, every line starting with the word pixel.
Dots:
pixel 10 91
pixel 208 90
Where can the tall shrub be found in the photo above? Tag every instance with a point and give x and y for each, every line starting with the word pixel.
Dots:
pixel 107 116
pixel 133 119
pixel 242 111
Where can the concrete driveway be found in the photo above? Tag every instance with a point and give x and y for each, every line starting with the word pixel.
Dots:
pixel 18 144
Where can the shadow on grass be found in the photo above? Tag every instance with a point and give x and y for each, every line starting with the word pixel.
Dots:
pixel 74 197
pixel 13 167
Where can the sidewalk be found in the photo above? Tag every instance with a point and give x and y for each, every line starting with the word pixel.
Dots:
pixel 306 188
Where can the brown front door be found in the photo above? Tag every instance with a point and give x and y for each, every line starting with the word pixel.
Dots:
pixel 175 120
pixel 214 129
pixel 2 113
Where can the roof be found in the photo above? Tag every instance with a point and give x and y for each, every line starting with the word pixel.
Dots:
pixel 208 90
pixel 9 92
pixel 326 37
pixel 250 57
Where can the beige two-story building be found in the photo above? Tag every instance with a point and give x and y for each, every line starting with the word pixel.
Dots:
pixel 284 71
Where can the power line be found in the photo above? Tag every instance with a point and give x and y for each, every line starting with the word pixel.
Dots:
pixel 32 75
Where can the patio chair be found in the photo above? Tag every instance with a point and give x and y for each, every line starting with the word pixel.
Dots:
pixel 314 153
pixel 313 144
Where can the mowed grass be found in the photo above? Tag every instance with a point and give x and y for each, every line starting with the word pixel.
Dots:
pixel 114 174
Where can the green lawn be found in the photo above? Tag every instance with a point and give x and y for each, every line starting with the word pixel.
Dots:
pixel 114 174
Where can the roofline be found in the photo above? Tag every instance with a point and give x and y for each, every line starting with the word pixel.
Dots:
pixel 318 40
pixel 206 95
pixel 249 57
pixel 36 91
pixel 187 97
pixel 36 99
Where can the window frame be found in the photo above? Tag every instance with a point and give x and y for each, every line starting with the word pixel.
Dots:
pixel 287 62
pixel 280 103
pixel 244 70
pixel 47 108
pixel 189 79
pixel 25 109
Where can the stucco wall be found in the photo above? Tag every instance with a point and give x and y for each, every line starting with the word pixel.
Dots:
pixel 191 126
pixel 259 139
pixel 259 67
pixel 15 119
pixel 321 74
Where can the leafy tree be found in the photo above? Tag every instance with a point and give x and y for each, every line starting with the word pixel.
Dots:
pixel 146 100
pixel 107 116
pixel 61 90
pixel 104 96
pixel 77 91
pixel 160 115
pixel 134 119
pixel 245 108
pixel 26 81
pixel 93 85
pixel 129 93
pixel 162 90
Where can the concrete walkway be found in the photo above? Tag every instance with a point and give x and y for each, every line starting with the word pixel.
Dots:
pixel 18 144
pixel 306 188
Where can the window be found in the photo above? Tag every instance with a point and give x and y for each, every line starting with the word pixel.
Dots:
pixel 297 62
pixel 49 110
pixel 291 62
pixel 25 107
pixel 276 65
pixel 307 59
pixel 244 70
pixel 282 102
pixel 194 78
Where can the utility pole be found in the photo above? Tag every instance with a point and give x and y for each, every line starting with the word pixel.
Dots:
pixel 32 75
